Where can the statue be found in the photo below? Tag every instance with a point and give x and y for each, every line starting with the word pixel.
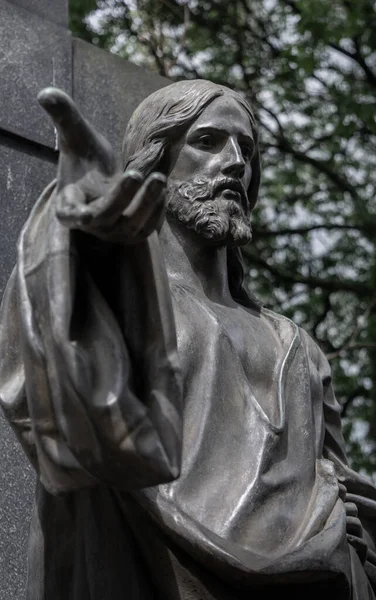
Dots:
pixel 187 440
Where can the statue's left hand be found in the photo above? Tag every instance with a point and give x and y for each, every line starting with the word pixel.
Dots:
pixel 354 527
pixel 91 194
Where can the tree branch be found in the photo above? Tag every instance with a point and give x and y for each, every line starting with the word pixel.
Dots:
pixel 283 144
pixel 264 233
pixel 320 318
pixel 359 391
pixel 266 34
pixel 351 342
pixel 320 165
pixel 293 6
pixel 151 42
pixel 332 285
pixel 358 58
pixel 355 56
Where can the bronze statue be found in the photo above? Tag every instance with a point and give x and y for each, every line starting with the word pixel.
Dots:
pixel 187 440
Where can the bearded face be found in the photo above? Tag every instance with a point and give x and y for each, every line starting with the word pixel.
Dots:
pixel 215 210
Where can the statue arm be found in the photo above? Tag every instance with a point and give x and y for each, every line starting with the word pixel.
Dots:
pixel 89 374
pixel 85 412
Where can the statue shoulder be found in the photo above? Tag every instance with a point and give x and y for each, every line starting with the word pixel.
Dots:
pixel 314 353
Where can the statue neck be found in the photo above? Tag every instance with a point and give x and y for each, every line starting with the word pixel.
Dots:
pixel 191 261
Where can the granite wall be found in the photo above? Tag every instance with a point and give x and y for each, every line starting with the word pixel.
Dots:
pixel 36 51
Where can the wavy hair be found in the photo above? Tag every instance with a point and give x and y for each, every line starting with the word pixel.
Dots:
pixel 162 118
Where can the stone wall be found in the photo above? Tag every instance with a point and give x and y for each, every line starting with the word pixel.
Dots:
pixel 36 51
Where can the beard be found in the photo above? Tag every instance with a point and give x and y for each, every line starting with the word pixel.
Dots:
pixel 219 220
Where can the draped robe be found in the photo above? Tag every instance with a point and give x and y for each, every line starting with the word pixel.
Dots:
pixel 160 473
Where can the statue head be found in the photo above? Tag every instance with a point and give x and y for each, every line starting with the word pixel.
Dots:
pixel 211 196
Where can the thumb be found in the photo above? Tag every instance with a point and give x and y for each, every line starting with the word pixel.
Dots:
pixel 76 135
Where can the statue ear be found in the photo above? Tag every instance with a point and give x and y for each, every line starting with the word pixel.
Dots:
pixel 255 181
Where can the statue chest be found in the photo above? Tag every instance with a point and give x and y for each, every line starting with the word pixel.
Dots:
pixel 253 340
pixel 234 345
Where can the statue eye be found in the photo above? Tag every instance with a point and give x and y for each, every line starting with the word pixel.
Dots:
pixel 247 151
pixel 206 141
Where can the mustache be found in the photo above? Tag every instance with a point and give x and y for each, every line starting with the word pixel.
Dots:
pixel 206 189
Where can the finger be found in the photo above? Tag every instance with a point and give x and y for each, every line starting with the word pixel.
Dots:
pixel 351 509
pixel 108 209
pixel 75 133
pixel 123 233
pixel 360 546
pixel 137 229
pixel 143 203
pixel 162 215
pixel 151 223
pixel 144 222
pixel 71 209
pixel 354 527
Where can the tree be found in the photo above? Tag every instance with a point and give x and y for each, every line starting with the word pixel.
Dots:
pixel 309 69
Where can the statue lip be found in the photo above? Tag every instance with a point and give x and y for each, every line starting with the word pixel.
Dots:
pixel 233 189
pixel 230 192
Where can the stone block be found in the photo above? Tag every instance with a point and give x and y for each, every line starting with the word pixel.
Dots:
pixel 25 171
pixel 108 89
pixel 34 53
pixel 23 177
pixel 17 482
pixel 52 10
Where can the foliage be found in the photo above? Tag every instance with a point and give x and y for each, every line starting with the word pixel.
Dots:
pixel 309 69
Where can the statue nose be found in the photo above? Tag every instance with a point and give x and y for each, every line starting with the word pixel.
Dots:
pixel 235 170
pixel 233 163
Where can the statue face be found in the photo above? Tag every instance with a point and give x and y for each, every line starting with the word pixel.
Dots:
pixel 210 172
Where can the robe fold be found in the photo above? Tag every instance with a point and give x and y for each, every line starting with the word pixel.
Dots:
pixel 161 474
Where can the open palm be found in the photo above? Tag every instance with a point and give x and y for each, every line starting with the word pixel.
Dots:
pixel 91 194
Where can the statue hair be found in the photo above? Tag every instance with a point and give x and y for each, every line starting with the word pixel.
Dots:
pixel 162 118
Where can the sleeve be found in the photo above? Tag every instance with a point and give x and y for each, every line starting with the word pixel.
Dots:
pixel 89 371
pixel 360 489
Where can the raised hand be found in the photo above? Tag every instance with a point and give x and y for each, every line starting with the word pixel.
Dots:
pixel 91 194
